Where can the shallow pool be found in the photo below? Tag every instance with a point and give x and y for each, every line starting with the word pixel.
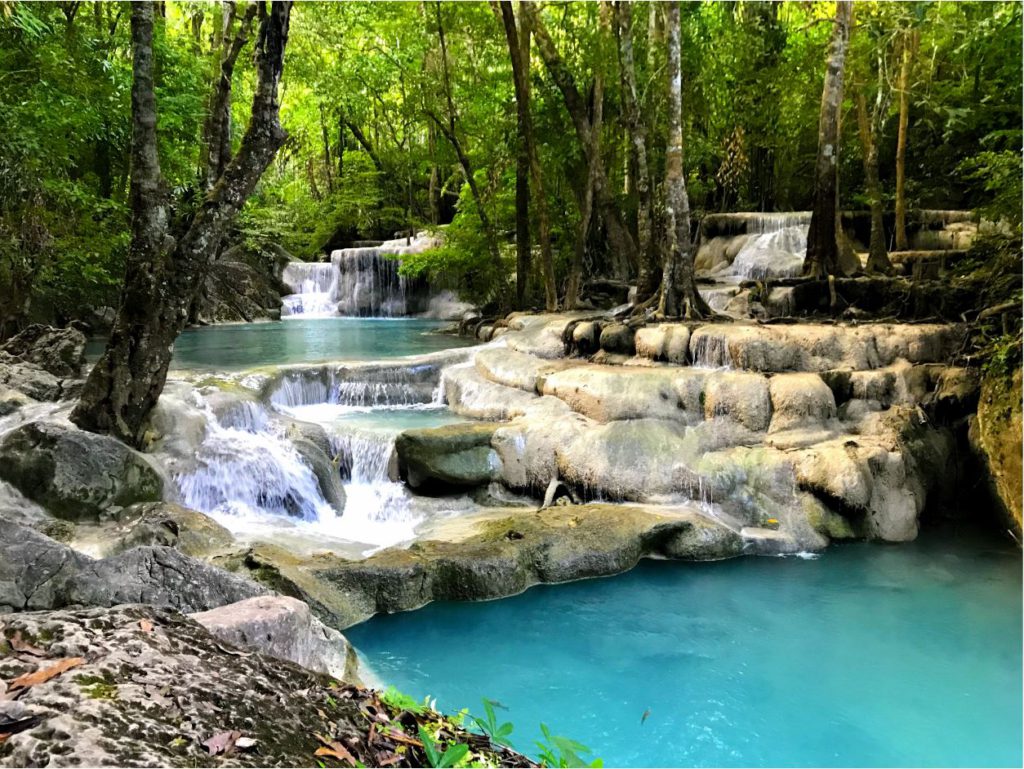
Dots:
pixel 870 655
pixel 310 340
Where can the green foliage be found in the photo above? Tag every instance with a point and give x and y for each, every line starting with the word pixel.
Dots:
pixel 998 175
pixel 400 701
pixel 562 751
pixel 452 755
pixel 490 726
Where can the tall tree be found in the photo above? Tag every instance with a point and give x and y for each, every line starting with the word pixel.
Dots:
pixel 679 295
pixel 448 128
pixel 911 42
pixel 586 125
pixel 636 129
pixel 822 249
pixel 869 125
pixel 163 272
pixel 216 141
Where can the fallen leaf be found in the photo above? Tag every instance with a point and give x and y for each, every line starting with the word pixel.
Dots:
pixel 400 736
pixel 222 743
pixel 245 743
pixel 334 749
pixel 146 625
pixel 391 760
pixel 23 646
pixel 43 675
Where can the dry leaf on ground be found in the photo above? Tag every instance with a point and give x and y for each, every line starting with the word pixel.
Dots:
pixel 43 675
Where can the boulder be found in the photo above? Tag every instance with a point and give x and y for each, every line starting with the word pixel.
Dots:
pixel 285 628
pixel 237 291
pixel 154 688
pixel 76 474
pixel 28 379
pixel 37 572
pixel 11 400
pixel 58 351
pixel 168 524
pixel 995 437
pixel 619 339
pixel 667 341
pixel 327 474
pixel 586 337
pixel 449 457
pixel 609 393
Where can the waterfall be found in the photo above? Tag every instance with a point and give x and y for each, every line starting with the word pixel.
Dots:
pixel 364 282
pixel 245 467
pixel 775 247
pixel 313 285
pixel 364 388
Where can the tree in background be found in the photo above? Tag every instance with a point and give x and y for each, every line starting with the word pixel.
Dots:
pixel 167 263
pixel 679 295
pixel 822 249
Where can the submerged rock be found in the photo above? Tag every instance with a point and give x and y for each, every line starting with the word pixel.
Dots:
pixel 150 687
pixel 76 474
pixel 283 627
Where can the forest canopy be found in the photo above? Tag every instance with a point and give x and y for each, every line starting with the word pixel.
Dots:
pixel 392 109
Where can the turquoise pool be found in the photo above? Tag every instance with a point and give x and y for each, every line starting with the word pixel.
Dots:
pixel 244 345
pixel 870 655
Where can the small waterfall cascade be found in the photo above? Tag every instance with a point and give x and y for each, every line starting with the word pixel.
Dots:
pixel 775 247
pixel 363 281
pixel 245 467
pixel 313 285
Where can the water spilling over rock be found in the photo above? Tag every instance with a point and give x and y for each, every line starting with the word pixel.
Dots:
pixel 366 282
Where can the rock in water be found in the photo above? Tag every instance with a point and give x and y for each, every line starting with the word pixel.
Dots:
pixel 995 436
pixel 454 456
pixel 283 627
pixel 58 351
pixel 75 474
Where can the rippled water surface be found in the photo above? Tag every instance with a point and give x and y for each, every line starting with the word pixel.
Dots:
pixel 870 655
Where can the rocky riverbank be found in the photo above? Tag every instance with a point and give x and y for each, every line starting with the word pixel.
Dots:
pixel 587 444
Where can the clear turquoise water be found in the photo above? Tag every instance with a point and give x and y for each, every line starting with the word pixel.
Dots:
pixel 870 655
pixel 244 345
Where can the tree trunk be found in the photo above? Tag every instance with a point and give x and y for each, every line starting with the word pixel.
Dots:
pixel 620 240
pixel 328 164
pixel 679 295
pixel 910 44
pixel 636 127
pixel 520 77
pixel 217 127
pixel 162 276
pixel 365 144
pixel 822 250
pixel 870 130
pixel 450 133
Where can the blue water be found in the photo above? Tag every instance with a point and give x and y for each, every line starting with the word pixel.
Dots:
pixel 245 345
pixel 870 655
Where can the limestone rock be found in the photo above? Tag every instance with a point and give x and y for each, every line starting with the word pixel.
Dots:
pixel 166 523
pixel 285 628
pixel 11 400
pixel 75 474
pixel 995 436
pixel 667 341
pixel 154 687
pixel 58 351
pixel 469 394
pixel 586 337
pixel 618 338
pixel 515 369
pixel 28 379
pixel 37 572
pixel 741 396
pixel 800 401
pixel 327 473
pixel 608 393
pixel 452 456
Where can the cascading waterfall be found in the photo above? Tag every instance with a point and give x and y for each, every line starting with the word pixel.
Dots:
pixel 314 285
pixel 364 282
pixel 245 467
pixel 776 247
